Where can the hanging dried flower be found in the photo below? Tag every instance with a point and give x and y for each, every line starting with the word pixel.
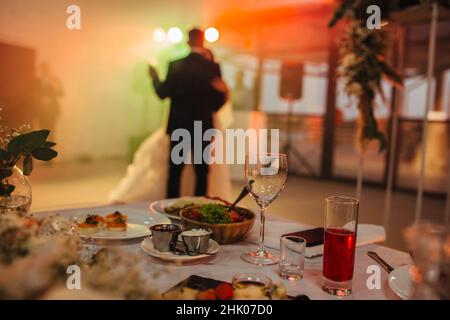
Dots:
pixel 364 66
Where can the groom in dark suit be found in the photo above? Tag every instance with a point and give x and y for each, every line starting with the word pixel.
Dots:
pixel 196 91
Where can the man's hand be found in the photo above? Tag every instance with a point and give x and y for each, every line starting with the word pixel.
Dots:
pixel 152 72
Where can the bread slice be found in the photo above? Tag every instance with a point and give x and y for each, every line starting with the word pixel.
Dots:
pixel 116 221
pixel 116 226
pixel 87 228
pixel 91 224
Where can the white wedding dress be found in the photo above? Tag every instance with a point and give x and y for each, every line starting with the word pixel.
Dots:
pixel 146 177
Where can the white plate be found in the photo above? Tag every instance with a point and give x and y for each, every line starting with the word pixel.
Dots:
pixel 147 246
pixel 134 231
pixel 139 222
pixel 159 205
pixel 400 282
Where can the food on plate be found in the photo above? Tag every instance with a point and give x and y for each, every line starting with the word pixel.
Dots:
pixel 184 202
pixel 214 214
pixel 206 295
pixel 91 224
pixel 94 223
pixel 116 221
pixel 184 293
pixel 227 225
pixel 250 293
pixel 200 288
pixel 224 291
pixel 253 290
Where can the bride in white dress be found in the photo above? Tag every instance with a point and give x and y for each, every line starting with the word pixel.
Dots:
pixel 146 177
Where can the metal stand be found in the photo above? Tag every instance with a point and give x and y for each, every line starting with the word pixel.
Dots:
pixel 430 70
pixel 288 149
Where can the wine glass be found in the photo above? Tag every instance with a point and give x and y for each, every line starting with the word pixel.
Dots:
pixel 265 176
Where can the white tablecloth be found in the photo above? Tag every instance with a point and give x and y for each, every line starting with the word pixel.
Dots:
pixel 227 262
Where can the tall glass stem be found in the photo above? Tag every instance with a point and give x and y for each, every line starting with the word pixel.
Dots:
pixel 261 250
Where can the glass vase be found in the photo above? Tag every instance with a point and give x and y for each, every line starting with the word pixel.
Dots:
pixel 19 201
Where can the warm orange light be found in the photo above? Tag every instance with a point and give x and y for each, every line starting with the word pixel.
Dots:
pixel 159 35
pixel 211 34
pixel 174 35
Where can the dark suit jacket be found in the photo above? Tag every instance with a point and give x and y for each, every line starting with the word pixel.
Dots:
pixel 188 85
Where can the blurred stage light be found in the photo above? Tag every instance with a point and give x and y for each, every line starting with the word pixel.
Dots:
pixel 174 35
pixel 211 34
pixel 159 35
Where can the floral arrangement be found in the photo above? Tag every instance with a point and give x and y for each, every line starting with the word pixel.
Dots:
pixel 364 58
pixel 364 65
pixel 16 145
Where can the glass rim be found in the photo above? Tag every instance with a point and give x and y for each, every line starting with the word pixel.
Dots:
pixel 301 240
pixel 342 200
pixel 252 276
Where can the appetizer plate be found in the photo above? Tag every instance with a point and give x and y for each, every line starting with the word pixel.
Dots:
pixel 139 222
pixel 134 231
pixel 147 246
pixel 400 282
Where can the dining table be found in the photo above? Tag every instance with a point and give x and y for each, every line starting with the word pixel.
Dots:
pixel 227 262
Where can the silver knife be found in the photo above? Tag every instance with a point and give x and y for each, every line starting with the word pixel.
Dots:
pixel 386 266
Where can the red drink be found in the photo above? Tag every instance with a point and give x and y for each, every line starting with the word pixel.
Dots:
pixel 341 222
pixel 339 254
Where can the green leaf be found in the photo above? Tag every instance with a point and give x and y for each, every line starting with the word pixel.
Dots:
pixel 27 165
pixel 28 141
pixel 4 155
pixel 10 189
pixel 5 173
pixel 6 189
pixel 38 137
pixel 44 154
pixel 49 144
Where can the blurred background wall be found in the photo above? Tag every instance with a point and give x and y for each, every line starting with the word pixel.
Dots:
pixel 102 67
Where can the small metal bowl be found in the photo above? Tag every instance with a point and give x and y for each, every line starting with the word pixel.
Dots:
pixel 165 236
pixel 194 244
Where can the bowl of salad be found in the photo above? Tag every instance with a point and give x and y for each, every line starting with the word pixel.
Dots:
pixel 227 225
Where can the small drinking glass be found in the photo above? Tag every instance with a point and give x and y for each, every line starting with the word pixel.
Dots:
pixel 341 223
pixel 292 257
pixel 244 280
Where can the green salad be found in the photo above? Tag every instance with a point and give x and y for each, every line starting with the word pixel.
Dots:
pixel 214 213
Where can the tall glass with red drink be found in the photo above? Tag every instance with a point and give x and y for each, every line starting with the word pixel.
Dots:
pixel 341 220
